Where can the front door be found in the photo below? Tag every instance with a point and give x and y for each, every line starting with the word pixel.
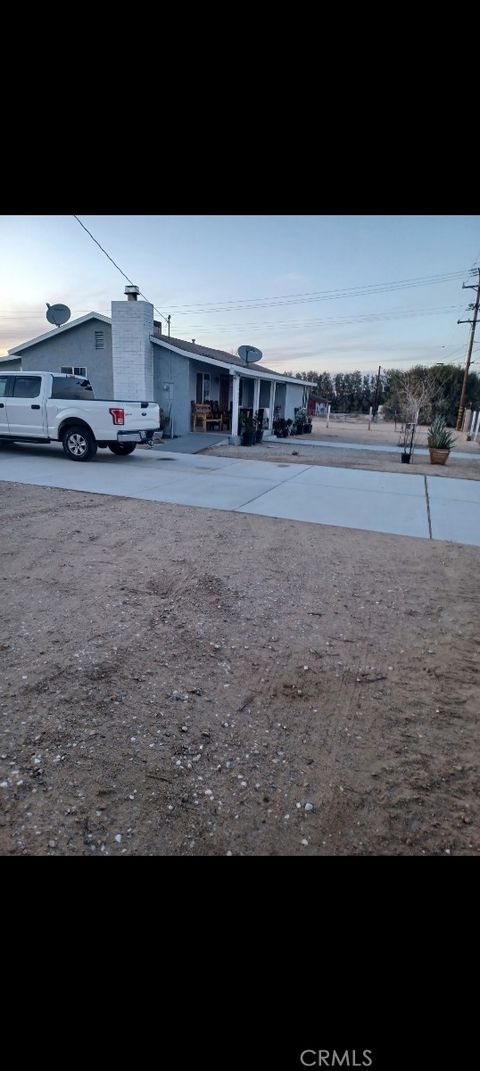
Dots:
pixel 24 408
pixel 3 408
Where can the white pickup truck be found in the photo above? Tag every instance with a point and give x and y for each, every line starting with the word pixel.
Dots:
pixel 39 407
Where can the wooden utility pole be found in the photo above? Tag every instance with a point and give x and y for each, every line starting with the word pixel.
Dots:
pixel 470 347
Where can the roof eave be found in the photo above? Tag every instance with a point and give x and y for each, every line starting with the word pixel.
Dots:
pixel 59 330
pixel 234 369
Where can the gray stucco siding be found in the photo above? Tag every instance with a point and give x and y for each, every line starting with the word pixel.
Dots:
pixel 172 371
pixel 15 365
pixel 75 348
pixel 293 399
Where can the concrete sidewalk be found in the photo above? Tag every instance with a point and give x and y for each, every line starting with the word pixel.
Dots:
pixel 378 448
pixel 349 498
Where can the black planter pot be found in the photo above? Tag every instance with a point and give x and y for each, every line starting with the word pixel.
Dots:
pixel 248 438
pixel 405 458
pixel 259 436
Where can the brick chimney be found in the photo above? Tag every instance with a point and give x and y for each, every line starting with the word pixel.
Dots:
pixel 132 358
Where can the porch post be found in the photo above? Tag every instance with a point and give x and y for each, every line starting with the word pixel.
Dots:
pixel 272 404
pixel 256 395
pixel 235 399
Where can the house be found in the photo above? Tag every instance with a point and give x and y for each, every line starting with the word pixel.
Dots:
pixel 127 356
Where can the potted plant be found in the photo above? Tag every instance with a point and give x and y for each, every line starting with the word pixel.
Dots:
pixel 258 421
pixel 161 429
pixel 248 427
pixel 440 441
pixel 301 420
pixel 280 428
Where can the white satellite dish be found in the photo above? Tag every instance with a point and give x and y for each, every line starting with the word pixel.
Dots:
pixel 249 354
pixel 58 314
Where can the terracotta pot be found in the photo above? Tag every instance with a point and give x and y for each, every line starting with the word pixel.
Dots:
pixel 438 457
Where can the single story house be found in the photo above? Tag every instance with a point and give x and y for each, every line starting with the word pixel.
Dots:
pixel 126 356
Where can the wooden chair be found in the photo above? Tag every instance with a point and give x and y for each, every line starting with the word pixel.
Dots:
pixel 203 413
pixel 200 413
pixel 219 415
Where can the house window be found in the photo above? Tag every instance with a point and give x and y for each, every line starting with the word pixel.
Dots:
pixel 99 340
pixel 70 370
pixel 203 387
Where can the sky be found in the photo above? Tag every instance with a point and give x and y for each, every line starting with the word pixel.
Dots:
pixel 324 293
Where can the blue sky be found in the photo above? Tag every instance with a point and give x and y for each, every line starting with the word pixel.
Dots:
pixel 261 280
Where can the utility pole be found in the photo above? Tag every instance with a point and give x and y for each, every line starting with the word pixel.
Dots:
pixel 470 347
pixel 374 408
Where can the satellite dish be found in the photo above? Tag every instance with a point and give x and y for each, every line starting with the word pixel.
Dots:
pixel 58 314
pixel 249 354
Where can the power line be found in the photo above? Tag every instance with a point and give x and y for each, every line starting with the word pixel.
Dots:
pixel 306 297
pixel 292 325
pixel 117 266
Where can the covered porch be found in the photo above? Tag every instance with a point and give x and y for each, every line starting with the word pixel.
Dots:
pixel 231 394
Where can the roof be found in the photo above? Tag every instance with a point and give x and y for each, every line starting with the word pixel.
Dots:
pixel 60 330
pixel 231 359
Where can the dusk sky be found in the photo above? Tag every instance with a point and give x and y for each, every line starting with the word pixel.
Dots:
pixel 265 281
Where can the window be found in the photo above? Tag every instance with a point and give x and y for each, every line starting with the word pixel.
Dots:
pixel 26 387
pixel 99 340
pixel 3 386
pixel 69 370
pixel 203 387
pixel 72 388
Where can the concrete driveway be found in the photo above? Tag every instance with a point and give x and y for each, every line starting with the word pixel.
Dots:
pixel 416 505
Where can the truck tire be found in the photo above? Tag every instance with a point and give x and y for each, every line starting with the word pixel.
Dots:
pixel 78 443
pixel 122 448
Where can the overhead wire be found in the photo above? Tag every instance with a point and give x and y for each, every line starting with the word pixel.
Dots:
pixel 306 297
pixel 117 265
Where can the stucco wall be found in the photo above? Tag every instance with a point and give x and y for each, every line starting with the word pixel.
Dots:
pixel 293 399
pixel 15 365
pixel 75 348
pixel 172 372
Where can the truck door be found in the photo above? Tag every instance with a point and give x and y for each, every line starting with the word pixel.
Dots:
pixel 3 408
pixel 24 407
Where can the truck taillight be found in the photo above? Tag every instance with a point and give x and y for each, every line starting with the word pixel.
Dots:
pixel 118 415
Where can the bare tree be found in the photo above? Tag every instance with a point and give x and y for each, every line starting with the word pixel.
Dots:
pixel 417 394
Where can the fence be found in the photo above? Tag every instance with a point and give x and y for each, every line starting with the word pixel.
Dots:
pixel 350 418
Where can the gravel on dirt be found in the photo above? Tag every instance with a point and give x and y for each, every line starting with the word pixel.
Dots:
pixel 192 682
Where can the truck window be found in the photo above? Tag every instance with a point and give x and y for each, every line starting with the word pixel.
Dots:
pixel 70 388
pixel 26 387
pixel 3 386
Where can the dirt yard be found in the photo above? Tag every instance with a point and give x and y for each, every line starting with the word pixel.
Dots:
pixel 298 450
pixel 180 681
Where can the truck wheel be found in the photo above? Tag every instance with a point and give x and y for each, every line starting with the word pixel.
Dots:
pixel 79 443
pixel 122 448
